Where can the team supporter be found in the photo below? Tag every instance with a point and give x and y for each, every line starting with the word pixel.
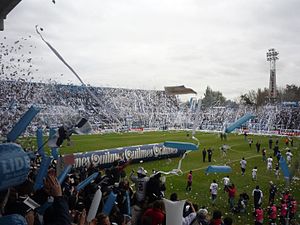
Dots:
pixel 259 216
pixel 270 163
pixel 243 164
pixel 272 192
pixel 189 181
pixel 254 173
pixel 283 212
pixel 154 215
pixel 216 218
pixel 226 182
pixel 140 182
pixel 272 214
pixel 213 191
pixel 257 197
pixel 289 156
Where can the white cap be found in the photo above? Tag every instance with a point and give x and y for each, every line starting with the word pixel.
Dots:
pixel 203 212
pixel 142 171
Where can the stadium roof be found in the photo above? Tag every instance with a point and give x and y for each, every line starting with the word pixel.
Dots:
pixel 179 90
pixel 5 7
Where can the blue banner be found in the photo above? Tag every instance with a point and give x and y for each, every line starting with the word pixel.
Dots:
pixel 104 158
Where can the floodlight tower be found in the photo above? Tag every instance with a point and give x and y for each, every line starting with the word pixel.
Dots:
pixel 272 57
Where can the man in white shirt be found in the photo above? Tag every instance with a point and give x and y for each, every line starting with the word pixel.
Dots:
pixel 213 191
pixel 254 173
pixel 243 164
pixel 226 182
pixel 269 163
pixel 289 156
pixel 190 217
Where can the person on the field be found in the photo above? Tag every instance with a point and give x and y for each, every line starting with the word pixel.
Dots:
pixel 293 207
pixel 277 141
pixel 270 163
pixel 257 146
pixel 243 164
pixel 204 155
pixel 272 213
pixel 278 155
pixel 283 212
pixel 209 154
pixel 254 173
pixel 275 149
pixel 189 181
pixel 213 191
pixel 231 195
pixel 245 135
pixel 264 152
pixel 226 182
pixel 289 156
pixel 241 205
pixel 257 197
pixel 277 170
pixel 286 142
pixel 223 150
pixel 259 216
pixel 250 142
pixel 272 192
pixel 270 143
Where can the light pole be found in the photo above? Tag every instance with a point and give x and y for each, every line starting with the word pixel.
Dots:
pixel 272 56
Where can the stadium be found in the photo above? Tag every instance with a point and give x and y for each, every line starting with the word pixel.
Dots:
pixel 95 155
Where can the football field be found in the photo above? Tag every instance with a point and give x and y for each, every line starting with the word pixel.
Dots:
pixel 200 195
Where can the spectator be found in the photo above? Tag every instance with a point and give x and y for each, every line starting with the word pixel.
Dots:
pixel 154 215
pixel 216 218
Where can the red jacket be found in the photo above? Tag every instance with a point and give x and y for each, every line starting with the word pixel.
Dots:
pixel 273 212
pixel 156 215
pixel 231 192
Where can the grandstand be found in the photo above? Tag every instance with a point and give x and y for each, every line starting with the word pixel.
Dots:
pixel 124 109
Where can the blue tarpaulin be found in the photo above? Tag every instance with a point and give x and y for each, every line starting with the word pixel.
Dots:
pixel 218 169
pixel 181 145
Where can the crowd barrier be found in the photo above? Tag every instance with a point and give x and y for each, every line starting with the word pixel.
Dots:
pixel 105 158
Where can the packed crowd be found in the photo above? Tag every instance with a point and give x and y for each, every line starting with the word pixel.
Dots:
pixel 122 109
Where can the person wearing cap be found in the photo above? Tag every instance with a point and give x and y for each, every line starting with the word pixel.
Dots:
pixel 140 182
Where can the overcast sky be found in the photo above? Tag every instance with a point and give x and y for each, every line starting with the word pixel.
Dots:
pixel 150 44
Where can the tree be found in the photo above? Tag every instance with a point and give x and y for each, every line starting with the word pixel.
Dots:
pixel 262 96
pixel 212 98
pixel 249 98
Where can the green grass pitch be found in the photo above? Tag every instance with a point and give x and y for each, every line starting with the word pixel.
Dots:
pixel 201 182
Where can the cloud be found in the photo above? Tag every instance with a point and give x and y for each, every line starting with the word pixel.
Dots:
pixel 151 44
